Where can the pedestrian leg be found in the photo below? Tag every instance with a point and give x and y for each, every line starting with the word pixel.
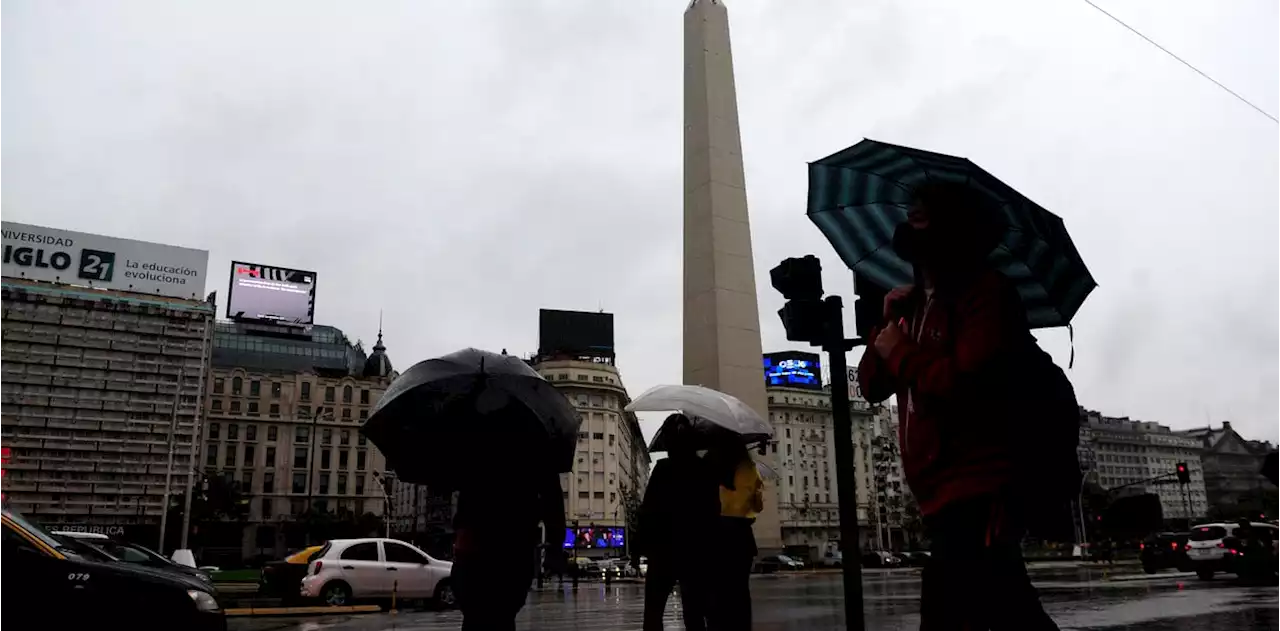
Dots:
pixel 657 588
pixel 1013 603
pixel 695 598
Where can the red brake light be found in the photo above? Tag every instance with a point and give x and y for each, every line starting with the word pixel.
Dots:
pixel 1186 546
pixel 1142 546
pixel 1221 545
pixel 1173 546
pixel 319 565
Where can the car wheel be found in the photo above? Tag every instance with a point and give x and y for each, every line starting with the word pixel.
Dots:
pixel 1149 569
pixel 444 594
pixel 336 594
pixel 1205 575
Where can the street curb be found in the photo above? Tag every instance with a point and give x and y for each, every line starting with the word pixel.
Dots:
pixel 300 611
pixel 1148 577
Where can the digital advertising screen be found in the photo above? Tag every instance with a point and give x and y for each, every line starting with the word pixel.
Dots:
pixel 793 370
pixel 271 294
pixel 587 538
pixel 575 332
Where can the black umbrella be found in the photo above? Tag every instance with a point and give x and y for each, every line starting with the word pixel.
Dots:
pixel 1271 467
pixel 453 418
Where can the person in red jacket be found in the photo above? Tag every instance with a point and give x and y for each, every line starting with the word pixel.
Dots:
pixel 947 343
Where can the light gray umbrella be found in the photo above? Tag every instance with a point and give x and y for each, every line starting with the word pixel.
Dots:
pixel 704 407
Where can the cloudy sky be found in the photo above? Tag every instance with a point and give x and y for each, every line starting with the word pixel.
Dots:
pixel 459 165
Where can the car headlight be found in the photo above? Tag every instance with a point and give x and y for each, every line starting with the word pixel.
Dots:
pixel 204 601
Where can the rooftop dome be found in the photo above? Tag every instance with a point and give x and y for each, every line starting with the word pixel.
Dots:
pixel 378 364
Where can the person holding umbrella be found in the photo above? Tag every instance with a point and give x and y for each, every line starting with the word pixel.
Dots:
pixel 680 502
pixel 741 499
pixel 973 388
pixel 491 428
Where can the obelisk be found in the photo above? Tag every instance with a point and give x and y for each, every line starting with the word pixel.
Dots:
pixel 721 313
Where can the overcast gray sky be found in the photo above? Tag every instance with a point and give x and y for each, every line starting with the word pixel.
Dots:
pixel 461 164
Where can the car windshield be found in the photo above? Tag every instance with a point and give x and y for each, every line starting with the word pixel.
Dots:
pixel 83 549
pixel 784 558
pixel 1208 533
pixel 39 533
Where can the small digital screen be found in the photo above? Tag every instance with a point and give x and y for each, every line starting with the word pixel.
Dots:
pixel 271 294
pixel 797 370
pixel 587 538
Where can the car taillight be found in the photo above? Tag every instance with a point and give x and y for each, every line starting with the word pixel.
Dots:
pixel 1142 546
pixel 319 565
pixel 1221 545
pixel 1186 546
pixel 1173 546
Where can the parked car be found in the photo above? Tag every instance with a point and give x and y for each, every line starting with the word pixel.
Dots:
pixel 915 558
pixel 1164 550
pixel 774 563
pixel 283 578
pixel 880 558
pixel 833 559
pixel 1207 550
pixel 347 570
pixel 134 553
pixel 71 584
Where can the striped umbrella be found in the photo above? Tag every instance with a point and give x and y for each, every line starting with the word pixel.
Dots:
pixel 857 198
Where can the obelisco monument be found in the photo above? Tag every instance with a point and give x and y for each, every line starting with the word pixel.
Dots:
pixel 721 314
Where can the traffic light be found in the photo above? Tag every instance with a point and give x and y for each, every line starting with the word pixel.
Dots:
pixel 1184 474
pixel 799 280
pixel 868 309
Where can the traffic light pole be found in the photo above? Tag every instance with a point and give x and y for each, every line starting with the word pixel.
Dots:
pixel 847 491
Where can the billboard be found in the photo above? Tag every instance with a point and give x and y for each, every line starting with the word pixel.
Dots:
pixel 586 538
pixel 94 260
pixel 793 369
pixel 271 294
pixel 575 333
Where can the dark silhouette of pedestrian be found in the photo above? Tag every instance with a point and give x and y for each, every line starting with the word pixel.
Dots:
pixel 741 499
pixel 496 525
pixel 973 391
pixel 679 508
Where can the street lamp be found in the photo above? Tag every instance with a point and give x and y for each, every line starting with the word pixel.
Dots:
pixel 385 481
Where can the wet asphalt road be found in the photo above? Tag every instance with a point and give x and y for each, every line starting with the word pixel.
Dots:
pixel 1076 598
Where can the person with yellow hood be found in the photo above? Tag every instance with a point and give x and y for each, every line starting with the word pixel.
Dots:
pixel 741 499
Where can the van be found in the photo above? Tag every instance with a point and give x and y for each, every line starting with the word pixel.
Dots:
pixel 55 585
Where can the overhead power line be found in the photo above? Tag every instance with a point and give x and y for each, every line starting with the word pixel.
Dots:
pixel 1183 61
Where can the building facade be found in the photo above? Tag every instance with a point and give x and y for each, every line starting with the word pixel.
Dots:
pixel 101 399
pixel 1233 480
pixel 283 411
pixel 807 489
pixel 611 467
pixel 1143 456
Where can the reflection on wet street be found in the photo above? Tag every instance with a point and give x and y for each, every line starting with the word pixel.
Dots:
pixel 1077 599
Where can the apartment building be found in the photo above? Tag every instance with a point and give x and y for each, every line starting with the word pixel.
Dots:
pixel 1143 456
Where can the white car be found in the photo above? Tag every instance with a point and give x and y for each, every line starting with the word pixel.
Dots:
pixel 1207 549
pixel 345 570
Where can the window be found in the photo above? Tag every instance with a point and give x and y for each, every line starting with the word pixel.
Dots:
pixel 268 482
pixel 255 388
pixel 774 447
pixel 324 459
pixel 611 439
pixel 326 436
pixel 364 397
pixel 251 433
pixel 235 407
pixel 346 414
pixel 253 408
pixel 214 430
pixel 248 455
pixel 266 509
pixel 342 459
pixel 400 553
pixel 211 454
pixel 304 411
pixel 613 497
pixel 299 457
pixel 324 483
pixel 274 410
pixel 342 484
pixel 364 415
pixel 788 432
pixel 217 405
pixel 583 495
pixel 597 435
pixel 361 440
pixel 306 391
pixel 359 461
pixel 299 482
pixel 219 385
pixel 598 495
pixel 367 551
pixel 236 385
pixel 359 485
pixel 272 433
pixel 346 394
pixel 791 480
pixel 233 432
pixel 788 449
pixel 328 394
pixel 229 458
pixel 345 438
pixel 301 434
pixel 270 460
pixel 275 389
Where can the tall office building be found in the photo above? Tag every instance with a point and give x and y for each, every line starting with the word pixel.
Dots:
pixel 721 313
pixel 1128 453
pixel 284 409
pixel 105 343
